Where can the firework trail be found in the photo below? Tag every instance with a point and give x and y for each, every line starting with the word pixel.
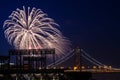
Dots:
pixel 32 29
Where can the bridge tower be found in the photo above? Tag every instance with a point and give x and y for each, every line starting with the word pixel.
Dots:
pixel 77 58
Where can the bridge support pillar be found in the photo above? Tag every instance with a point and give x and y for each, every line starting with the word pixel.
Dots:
pixel 78 58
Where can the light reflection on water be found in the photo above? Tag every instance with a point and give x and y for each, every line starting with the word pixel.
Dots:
pixel 95 76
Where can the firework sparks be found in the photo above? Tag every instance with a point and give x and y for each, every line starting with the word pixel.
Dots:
pixel 32 29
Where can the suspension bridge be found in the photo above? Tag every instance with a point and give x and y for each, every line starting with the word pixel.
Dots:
pixel 80 59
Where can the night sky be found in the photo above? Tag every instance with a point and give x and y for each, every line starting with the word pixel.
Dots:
pixel 94 25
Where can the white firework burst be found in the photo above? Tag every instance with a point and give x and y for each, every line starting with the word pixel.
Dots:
pixel 32 29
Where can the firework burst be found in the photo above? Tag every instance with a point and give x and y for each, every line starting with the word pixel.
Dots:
pixel 32 29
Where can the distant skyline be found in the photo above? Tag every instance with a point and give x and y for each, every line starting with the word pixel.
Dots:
pixel 93 25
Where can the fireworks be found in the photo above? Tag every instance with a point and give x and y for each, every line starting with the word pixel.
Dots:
pixel 32 29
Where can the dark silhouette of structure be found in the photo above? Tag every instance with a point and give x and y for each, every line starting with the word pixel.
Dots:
pixel 77 58
pixel 34 57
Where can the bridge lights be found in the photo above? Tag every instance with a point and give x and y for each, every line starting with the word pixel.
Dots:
pixel 54 67
pixel 83 67
pixel 40 68
pixel 47 68
pixel 105 67
pixel 61 67
pixel 75 68
pixel 94 67
pixel 110 67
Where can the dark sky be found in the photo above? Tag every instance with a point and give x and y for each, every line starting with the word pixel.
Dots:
pixel 94 25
